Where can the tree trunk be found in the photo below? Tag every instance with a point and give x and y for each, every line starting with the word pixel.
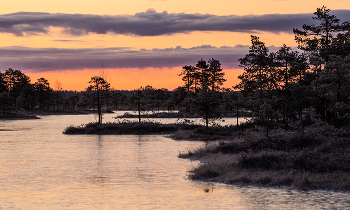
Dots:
pixel 99 108
pixel 237 113
pixel 138 108
pixel 267 127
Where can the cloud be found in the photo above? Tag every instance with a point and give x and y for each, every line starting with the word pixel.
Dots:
pixel 54 59
pixel 67 40
pixel 151 10
pixel 152 23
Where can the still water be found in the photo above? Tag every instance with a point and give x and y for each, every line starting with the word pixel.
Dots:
pixel 43 169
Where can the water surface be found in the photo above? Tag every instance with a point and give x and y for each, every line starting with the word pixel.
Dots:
pixel 43 169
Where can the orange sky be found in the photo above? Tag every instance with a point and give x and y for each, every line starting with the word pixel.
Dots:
pixel 128 78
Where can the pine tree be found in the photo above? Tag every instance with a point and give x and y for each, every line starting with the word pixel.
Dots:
pixel 99 86
pixel 256 66
pixel 318 39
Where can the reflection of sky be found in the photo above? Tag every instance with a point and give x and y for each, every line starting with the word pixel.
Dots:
pixel 223 121
pixel 41 168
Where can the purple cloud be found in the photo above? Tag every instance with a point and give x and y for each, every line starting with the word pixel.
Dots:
pixel 151 23
pixel 53 59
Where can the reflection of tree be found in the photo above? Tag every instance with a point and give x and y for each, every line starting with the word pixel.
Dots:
pixel 100 178
pixel 140 159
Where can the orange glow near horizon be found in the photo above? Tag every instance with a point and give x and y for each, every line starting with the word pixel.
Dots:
pixel 125 79
pixel 185 40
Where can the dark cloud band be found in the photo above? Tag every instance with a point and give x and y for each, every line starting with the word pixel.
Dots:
pixel 151 23
pixel 53 59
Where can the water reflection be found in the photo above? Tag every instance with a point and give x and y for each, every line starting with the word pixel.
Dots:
pixel 141 160
pixel 100 178
pixel 43 169
pixel 273 198
pixel 223 121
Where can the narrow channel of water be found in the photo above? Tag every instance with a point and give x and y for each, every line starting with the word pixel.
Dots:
pixel 43 169
pixel 223 121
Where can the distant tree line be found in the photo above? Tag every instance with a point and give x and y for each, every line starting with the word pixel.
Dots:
pixel 278 88
pixel 205 97
pixel 18 93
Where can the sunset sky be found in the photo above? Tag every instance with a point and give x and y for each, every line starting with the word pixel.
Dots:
pixel 143 42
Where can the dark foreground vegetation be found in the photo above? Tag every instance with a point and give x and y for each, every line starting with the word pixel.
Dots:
pixel 318 158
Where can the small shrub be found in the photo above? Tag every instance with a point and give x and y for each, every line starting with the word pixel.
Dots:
pixel 204 172
pixel 244 179
pixel 303 182
pixel 285 180
pixel 263 160
pixel 264 180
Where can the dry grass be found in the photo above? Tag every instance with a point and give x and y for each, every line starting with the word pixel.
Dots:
pixel 213 133
pixel 315 159
pixel 220 171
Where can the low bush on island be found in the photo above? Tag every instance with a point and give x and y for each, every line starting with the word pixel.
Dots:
pixel 18 114
pixel 128 127
pixel 181 130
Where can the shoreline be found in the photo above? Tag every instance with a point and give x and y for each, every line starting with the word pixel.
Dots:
pixel 273 179
pixel 127 127
pixel 67 112
pixel 311 161
pixel 20 118
pixel 288 187
pixel 178 115
pixel 19 115
pixel 315 159
pixel 24 115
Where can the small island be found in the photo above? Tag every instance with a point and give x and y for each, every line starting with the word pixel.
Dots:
pixel 18 114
